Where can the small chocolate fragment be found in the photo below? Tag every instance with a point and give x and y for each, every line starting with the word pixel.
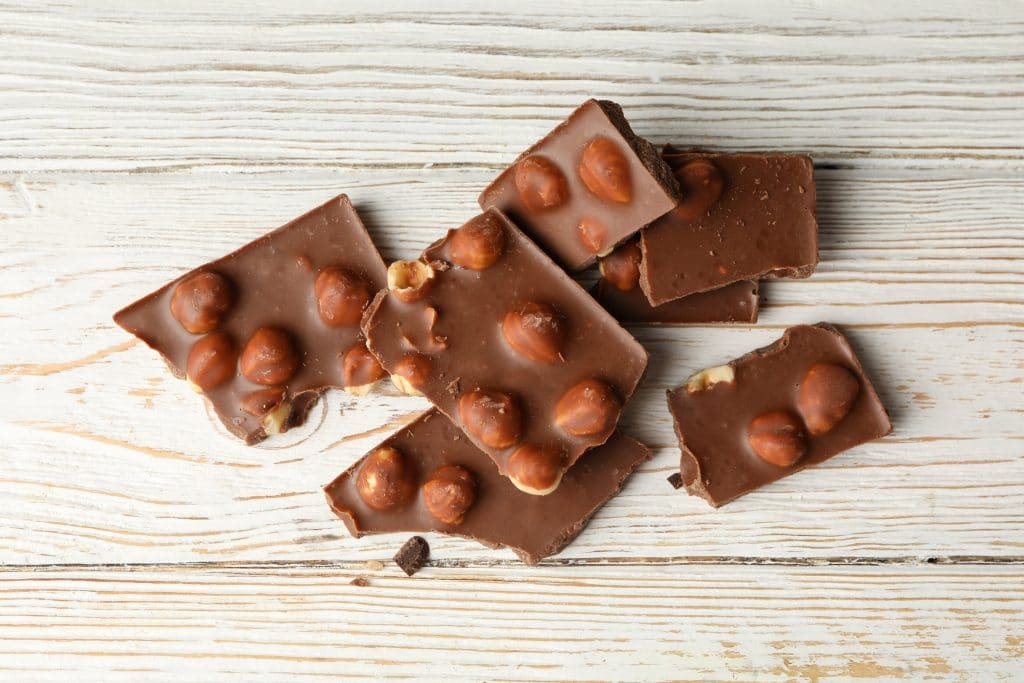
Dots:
pixel 497 513
pixel 360 581
pixel 676 480
pixel 413 555
pixel 587 186
pixel 741 425
pixel 742 217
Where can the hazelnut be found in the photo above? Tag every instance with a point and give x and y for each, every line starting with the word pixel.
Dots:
pixel 536 470
pixel 605 171
pixel 777 438
pixel 201 301
pixel 827 393
pixel 592 234
pixel 621 268
pixel 361 370
pixel 211 361
pixel 341 296
pixel 491 416
pixel 449 493
pixel 276 420
pixel 708 377
pixel 262 401
pixel 385 480
pixel 589 408
pixel 410 280
pixel 411 372
pixel 478 244
pixel 269 357
pixel 701 183
pixel 541 185
pixel 535 331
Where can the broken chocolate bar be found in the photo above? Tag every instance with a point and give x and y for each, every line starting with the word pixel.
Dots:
pixel 773 412
pixel 263 331
pixel 586 187
pixel 742 217
pixel 429 477
pixel 508 346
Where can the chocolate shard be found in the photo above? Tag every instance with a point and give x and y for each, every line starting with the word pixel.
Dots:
pixel 413 554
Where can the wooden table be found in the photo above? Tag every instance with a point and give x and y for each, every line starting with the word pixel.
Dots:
pixel 139 541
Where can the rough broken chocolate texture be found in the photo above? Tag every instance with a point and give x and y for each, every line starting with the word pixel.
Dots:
pixel 413 554
pixel 735 303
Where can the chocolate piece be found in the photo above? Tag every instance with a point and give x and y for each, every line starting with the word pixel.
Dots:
pixel 279 315
pixel 773 412
pixel 742 217
pixel 587 186
pixel 676 480
pixel 500 515
pixel 360 581
pixel 413 555
pixel 515 353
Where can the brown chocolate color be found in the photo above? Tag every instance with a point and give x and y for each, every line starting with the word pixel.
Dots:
pixel 273 282
pixel 735 303
pixel 458 327
pixel 413 554
pixel 718 462
pixel 502 515
pixel 651 188
pixel 762 226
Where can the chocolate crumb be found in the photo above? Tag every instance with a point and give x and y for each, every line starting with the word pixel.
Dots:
pixel 413 555
pixel 359 581
pixel 676 480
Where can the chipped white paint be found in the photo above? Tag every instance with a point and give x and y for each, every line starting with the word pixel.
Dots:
pixel 234 120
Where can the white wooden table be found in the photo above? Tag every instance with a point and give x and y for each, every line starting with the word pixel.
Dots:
pixel 139 541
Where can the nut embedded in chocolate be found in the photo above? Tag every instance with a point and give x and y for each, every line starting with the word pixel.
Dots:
pixel 593 235
pixel 491 416
pixel 541 185
pixel 201 301
pixel 361 370
pixel 411 373
pixel 777 438
pixel 269 357
pixel 449 494
pixel 536 331
pixel 269 405
pixel 341 296
pixel 621 268
pixel 708 377
pixel 605 171
pixel 410 280
pixel 701 183
pixel 478 244
pixel 211 361
pixel 386 480
pixel 589 408
pixel 827 393
pixel 536 470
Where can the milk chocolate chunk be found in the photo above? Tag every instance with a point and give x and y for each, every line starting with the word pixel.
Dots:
pixel 474 501
pixel 263 331
pixel 586 187
pixel 508 346
pixel 742 217
pixel 618 290
pixel 773 412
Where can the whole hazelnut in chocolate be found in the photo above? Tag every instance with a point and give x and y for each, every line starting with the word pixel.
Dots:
pixel 621 268
pixel 410 373
pixel 201 301
pixel 535 331
pixel 701 183
pixel 478 244
pixel 491 416
pixel 593 234
pixel 536 470
pixel 269 357
pixel 385 480
pixel 341 296
pixel 449 494
pixel 777 438
pixel 541 185
pixel 827 393
pixel 604 169
pixel 211 361
pixel 589 408
pixel 360 369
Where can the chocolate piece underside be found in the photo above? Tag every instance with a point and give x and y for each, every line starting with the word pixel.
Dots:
pixel 413 554
pixel 578 198
pixel 486 330
pixel 773 410
pixel 761 225
pixel 273 283
pixel 735 303
pixel 502 515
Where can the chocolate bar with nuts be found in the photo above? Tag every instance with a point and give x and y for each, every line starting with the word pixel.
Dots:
pixel 429 477
pixel 618 290
pixel 742 217
pixel 773 412
pixel 263 331
pixel 586 187
pixel 508 346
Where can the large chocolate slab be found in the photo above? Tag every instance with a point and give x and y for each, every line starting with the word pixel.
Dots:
pixel 743 217
pixel 270 283
pixel 458 334
pixel 586 187
pixel 770 401
pixel 501 515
